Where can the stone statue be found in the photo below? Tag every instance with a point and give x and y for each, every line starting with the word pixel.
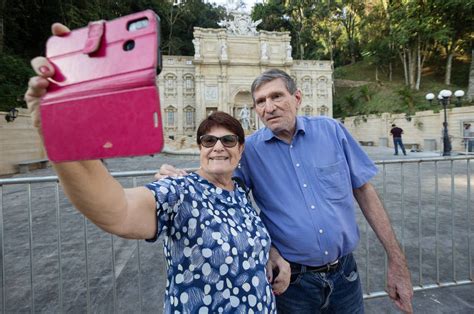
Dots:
pixel 232 5
pixel 288 51
pixel 241 25
pixel 244 117
pixel 224 50
pixel 197 44
pixel 264 51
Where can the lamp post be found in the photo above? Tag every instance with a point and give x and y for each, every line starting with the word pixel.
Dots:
pixel 444 97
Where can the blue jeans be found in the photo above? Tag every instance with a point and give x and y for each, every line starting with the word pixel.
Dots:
pixel 339 291
pixel 396 142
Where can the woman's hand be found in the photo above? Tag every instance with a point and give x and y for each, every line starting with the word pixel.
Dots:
pixel 38 85
pixel 278 272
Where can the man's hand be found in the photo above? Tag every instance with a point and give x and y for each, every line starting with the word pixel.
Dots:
pixel 278 272
pixel 38 85
pixel 169 171
pixel 399 287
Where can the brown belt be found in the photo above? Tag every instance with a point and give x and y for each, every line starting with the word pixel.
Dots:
pixel 298 268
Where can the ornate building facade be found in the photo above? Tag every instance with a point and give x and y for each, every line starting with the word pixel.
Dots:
pixel 224 65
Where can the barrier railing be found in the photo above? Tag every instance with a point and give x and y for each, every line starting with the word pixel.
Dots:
pixel 430 204
pixel 54 260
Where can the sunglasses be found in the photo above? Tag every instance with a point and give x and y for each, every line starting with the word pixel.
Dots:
pixel 226 140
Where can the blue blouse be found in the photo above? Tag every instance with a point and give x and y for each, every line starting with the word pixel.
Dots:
pixel 216 248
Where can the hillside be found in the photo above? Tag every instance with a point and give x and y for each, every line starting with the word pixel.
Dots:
pixel 358 93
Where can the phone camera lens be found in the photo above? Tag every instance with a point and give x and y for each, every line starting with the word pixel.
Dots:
pixel 129 45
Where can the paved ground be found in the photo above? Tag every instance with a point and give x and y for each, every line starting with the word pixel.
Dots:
pixel 401 191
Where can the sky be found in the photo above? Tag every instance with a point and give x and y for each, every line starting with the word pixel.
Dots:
pixel 249 3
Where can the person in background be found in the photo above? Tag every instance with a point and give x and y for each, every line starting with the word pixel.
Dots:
pixel 216 246
pixel 468 133
pixel 304 173
pixel 397 132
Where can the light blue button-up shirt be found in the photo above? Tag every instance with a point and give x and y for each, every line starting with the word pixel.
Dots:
pixel 304 189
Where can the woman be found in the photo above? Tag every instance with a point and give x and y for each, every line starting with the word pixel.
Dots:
pixel 216 246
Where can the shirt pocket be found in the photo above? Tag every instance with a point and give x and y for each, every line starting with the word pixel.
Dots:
pixel 333 180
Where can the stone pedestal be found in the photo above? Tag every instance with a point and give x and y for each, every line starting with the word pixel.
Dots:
pixel 383 141
pixel 429 144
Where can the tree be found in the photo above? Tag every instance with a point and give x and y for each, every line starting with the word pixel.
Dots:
pixel 470 90
pixel 306 21
pixel 349 13
pixel 273 16
pixel 26 25
pixel 375 34
pixel 412 33
pixel 2 34
pixel 454 20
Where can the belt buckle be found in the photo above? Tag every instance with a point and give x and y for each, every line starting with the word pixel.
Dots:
pixel 333 264
pixel 329 266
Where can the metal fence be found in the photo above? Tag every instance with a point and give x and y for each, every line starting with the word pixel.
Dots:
pixel 54 260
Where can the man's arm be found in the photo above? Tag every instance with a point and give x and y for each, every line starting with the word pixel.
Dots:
pixel 399 285
pixel 167 170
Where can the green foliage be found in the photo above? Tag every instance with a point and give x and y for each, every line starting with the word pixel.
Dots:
pixel 14 74
pixel 393 96
pixel 407 100
pixel 375 32
pixel 366 93
pixel 28 23
pixel 272 15
pixel 27 26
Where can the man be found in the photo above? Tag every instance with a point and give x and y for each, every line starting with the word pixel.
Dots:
pixel 304 172
pixel 467 134
pixel 397 139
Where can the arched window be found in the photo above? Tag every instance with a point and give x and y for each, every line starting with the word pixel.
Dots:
pixel 308 111
pixel 170 84
pixel 188 84
pixel 323 110
pixel 170 117
pixel 306 86
pixel 322 87
pixel 189 117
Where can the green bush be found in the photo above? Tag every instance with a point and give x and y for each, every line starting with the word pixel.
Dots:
pixel 14 75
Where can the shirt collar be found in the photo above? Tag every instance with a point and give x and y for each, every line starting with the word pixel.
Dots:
pixel 268 134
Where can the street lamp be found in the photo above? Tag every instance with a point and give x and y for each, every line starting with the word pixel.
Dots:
pixel 444 97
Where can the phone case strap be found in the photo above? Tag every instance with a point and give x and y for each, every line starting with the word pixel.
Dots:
pixel 94 36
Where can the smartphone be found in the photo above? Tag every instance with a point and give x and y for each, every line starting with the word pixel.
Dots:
pixel 103 101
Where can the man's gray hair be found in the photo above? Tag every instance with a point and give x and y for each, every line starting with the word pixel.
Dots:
pixel 270 75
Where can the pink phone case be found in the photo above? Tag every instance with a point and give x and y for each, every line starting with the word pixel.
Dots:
pixel 103 100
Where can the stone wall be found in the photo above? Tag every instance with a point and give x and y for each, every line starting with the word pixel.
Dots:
pixel 423 128
pixel 19 141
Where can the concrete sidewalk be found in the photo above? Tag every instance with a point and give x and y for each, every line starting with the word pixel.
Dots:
pixel 458 299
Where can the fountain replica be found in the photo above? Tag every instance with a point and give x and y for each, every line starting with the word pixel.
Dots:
pixel 218 77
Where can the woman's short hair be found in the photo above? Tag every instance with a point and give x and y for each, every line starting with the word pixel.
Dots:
pixel 220 119
pixel 271 75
